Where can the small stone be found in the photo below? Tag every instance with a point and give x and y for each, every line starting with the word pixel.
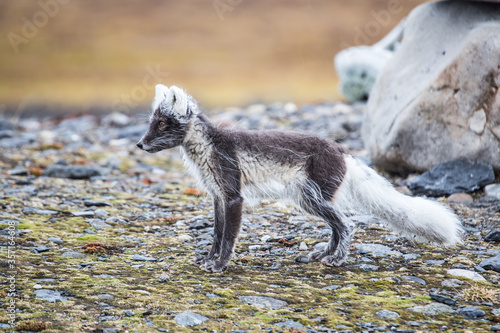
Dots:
pixel 471 312
pixel 332 287
pixel 302 259
pixel 263 302
pixel 90 203
pixel 491 264
pixel 492 191
pixel 73 254
pixel 386 314
pixel 442 299
pixel 164 278
pixel 254 248
pixel 495 328
pixel 37 286
pixel 184 238
pixel 466 274
pixel 289 324
pixel 98 224
pixel 85 213
pixel 460 198
pixel 101 213
pixel 493 236
pixel 139 257
pixel 73 171
pixel 105 296
pixel 265 238
pixel 55 240
pixel 41 249
pixel 303 246
pixel 377 250
pixel 433 309
pixel 367 267
pixel 189 319
pixel 452 283
pixel 129 313
pixel 414 279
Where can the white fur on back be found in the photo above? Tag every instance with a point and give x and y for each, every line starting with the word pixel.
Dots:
pixel 364 190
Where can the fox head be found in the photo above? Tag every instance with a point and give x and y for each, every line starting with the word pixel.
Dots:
pixel 172 110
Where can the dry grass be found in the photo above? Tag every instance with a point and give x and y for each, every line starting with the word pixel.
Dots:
pixel 479 293
pixel 95 53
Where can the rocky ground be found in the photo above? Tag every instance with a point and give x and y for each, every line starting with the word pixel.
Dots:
pixel 97 235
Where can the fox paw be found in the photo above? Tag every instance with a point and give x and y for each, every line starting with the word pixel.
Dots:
pixel 317 255
pixel 212 266
pixel 333 260
pixel 199 260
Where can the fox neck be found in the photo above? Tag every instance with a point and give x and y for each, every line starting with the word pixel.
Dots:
pixel 197 144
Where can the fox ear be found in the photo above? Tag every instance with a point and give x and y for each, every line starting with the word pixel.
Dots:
pixel 162 92
pixel 178 100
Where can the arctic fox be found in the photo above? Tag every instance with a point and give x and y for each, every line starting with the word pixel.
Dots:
pixel 315 173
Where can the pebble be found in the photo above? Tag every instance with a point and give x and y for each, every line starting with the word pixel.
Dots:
pixel 303 246
pixel 460 198
pixel 386 314
pixel 466 274
pixel 302 259
pixel 263 302
pixel 492 191
pixel 98 224
pixel 190 319
pixel 452 283
pixel 73 171
pixel 56 240
pixel 105 296
pixel 442 299
pixel 129 313
pixel 73 254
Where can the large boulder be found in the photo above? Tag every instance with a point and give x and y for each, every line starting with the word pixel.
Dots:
pixel 437 98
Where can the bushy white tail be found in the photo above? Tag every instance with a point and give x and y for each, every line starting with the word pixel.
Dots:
pixel 416 218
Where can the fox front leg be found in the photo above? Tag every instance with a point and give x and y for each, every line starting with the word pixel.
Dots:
pixel 218 234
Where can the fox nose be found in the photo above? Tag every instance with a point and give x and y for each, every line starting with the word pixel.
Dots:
pixel 139 144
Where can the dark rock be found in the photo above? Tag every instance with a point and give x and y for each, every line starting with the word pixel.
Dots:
pixel 138 257
pixel 90 203
pixel 491 264
pixel 471 312
pixel 41 249
pixel 263 302
pixel 452 177
pixel 128 313
pixel 147 313
pixel 493 236
pixel 199 224
pixel 442 299
pixel 495 328
pixel 73 171
pixel 414 279
pixel 189 319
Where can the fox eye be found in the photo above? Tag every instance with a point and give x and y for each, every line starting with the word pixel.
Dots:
pixel 162 124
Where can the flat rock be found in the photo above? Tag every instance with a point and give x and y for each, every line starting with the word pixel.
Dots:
pixel 139 257
pixel 51 296
pixel 491 264
pixel 460 198
pixel 90 203
pixel 493 236
pixel 466 274
pixel 289 324
pixel 386 314
pixel 73 171
pixel 263 302
pixel 437 99
pixel 432 309
pixel 442 299
pixel 452 177
pixel 414 279
pixel 377 250
pixel 189 319
pixel 98 224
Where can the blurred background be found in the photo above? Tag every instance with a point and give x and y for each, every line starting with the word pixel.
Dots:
pixel 74 56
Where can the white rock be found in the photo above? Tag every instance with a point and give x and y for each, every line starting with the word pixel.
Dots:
pixel 437 100
pixel 492 190
pixel 184 238
pixel 37 286
pixel 303 246
pixel 466 274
